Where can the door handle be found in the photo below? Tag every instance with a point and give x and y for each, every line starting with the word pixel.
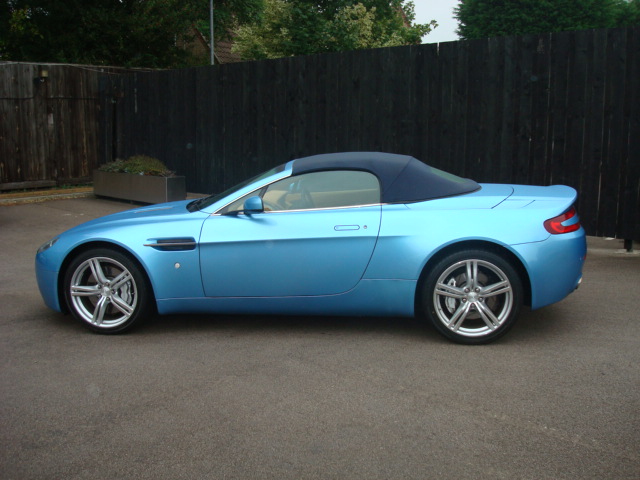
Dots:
pixel 342 228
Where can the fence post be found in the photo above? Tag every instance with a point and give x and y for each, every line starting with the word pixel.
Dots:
pixel 628 245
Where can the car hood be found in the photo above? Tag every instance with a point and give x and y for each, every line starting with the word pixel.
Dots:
pixel 160 213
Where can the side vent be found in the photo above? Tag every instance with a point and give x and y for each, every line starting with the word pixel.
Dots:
pixel 173 244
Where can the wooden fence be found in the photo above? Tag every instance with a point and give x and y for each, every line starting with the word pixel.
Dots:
pixel 50 122
pixel 538 109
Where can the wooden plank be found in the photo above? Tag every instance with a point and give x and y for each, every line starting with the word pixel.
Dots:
pixel 27 185
pixel 371 87
pixel 308 87
pixel 540 92
pixel 301 109
pixel 262 133
pixel 447 57
pixel 333 107
pixel 44 130
pixel 433 110
pixel 409 59
pixel 209 178
pixel 502 171
pixel 611 178
pixel 269 85
pixel 357 102
pixel 126 116
pixel 402 91
pixel 459 106
pixel 573 159
pixel 487 164
pixel 480 94
pixel 282 111
pixel 590 169
pixel 559 86
pixel 250 118
pixel 343 121
pixel 629 203
pixel 521 162
pixel 425 56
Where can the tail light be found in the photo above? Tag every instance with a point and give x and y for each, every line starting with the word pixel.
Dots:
pixel 555 225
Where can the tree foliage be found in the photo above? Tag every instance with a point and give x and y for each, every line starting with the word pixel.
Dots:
pixel 134 33
pixel 494 18
pixel 304 27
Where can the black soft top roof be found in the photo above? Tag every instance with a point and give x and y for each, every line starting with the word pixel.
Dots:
pixel 403 179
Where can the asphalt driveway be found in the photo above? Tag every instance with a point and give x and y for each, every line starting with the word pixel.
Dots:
pixel 221 397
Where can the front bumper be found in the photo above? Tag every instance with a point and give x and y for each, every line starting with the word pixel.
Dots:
pixel 47 283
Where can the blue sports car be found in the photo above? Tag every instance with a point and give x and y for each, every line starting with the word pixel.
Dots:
pixel 337 234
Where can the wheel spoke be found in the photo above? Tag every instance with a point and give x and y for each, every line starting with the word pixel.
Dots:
pixel 487 316
pixel 121 305
pixel 472 273
pixel 85 290
pixel 96 269
pixel 447 290
pixel 496 289
pixel 101 308
pixel 459 316
pixel 120 280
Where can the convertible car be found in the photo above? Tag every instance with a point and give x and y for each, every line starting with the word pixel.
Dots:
pixel 338 234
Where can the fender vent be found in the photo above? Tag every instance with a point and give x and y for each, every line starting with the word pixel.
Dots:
pixel 173 244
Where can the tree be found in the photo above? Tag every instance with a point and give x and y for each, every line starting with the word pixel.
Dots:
pixel 490 18
pixel 627 13
pixel 133 33
pixel 305 27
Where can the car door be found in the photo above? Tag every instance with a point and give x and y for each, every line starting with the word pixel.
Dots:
pixel 315 237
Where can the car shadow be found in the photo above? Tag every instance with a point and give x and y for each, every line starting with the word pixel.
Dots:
pixel 532 326
pixel 324 325
pixel 546 325
pixel 549 324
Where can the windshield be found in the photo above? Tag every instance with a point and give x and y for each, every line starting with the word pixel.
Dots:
pixel 204 202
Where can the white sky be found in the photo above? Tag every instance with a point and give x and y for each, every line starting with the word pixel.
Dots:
pixel 442 12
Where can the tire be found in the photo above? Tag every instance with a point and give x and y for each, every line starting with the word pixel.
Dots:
pixel 107 291
pixel 478 311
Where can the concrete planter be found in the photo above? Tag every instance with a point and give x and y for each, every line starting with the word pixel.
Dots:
pixel 139 188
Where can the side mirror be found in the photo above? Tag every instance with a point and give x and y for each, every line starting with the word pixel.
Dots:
pixel 253 205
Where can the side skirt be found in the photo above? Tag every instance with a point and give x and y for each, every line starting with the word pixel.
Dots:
pixel 368 298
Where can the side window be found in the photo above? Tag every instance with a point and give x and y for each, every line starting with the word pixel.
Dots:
pixel 331 189
pixel 237 205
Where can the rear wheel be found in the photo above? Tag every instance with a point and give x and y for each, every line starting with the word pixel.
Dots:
pixel 473 296
pixel 107 291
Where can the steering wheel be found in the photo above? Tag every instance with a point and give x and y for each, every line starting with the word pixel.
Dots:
pixel 305 200
pixel 270 206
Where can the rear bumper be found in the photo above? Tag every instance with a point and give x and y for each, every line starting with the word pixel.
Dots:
pixel 554 266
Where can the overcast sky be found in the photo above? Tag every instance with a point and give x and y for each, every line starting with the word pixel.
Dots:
pixel 442 12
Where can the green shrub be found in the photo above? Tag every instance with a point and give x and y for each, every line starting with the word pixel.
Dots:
pixel 138 165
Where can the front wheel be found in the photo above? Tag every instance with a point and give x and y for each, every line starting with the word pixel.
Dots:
pixel 106 291
pixel 472 297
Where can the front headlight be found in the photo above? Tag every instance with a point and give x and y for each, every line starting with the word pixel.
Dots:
pixel 47 245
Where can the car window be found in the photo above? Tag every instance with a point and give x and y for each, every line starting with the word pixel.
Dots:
pixel 238 204
pixel 330 189
pixel 204 202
